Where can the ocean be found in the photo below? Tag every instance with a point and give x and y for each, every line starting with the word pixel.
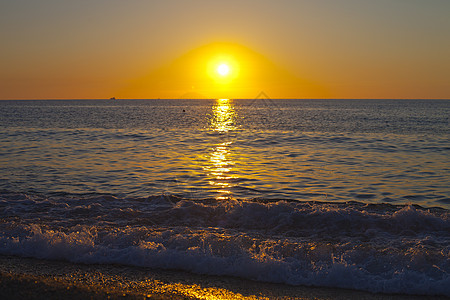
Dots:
pixel 331 193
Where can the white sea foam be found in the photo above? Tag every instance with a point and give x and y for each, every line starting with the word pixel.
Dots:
pixel 378 248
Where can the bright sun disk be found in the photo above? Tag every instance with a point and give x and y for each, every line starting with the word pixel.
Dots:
pixel 223 69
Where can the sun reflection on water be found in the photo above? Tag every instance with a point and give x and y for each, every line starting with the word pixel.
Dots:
pixel 223 119
pixel 220 159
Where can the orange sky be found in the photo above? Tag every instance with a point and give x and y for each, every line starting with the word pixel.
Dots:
pixel 195 75
pixel 163 49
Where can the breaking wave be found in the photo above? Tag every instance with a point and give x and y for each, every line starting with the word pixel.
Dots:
pixel 373 247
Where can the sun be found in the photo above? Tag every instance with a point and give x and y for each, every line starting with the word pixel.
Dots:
pixel 223 69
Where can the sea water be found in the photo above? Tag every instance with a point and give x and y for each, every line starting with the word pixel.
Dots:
pixel 338 193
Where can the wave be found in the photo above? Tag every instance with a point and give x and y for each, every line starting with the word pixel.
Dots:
pixel 373 247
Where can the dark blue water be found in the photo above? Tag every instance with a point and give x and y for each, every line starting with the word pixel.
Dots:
pixel 345 193
pixel 335 150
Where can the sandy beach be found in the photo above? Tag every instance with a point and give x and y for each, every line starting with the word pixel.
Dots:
pixel 26 278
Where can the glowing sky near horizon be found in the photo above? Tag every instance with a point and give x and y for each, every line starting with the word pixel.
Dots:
pixel 56 49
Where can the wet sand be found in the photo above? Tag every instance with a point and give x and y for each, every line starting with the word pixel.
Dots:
pixel 26 278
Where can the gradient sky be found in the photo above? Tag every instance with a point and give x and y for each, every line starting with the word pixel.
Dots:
pixel 59 49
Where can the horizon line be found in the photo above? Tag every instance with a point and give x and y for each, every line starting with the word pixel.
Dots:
pixel 289 98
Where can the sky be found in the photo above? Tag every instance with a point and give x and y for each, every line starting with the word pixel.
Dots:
pixel 97 49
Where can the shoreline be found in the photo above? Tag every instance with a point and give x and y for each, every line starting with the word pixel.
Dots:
pixel 29 278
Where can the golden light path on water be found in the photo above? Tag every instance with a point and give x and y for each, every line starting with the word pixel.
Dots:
pixel 221 164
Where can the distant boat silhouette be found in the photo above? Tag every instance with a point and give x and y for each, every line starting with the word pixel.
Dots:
pixel 112 98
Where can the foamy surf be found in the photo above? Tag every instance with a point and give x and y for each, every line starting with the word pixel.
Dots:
pixel 377 247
